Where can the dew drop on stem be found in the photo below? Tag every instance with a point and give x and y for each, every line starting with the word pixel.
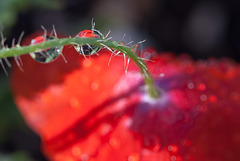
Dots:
pixel 88 49
pixel 47 55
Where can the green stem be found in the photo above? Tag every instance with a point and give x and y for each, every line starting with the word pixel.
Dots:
pixel 21 50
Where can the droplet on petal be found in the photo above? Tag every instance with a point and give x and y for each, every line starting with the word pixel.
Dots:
pixel 88 49
pixel 202 87
pixel 76 151
pixel 203 97
pixel 173 148
pixel 47 55
pixel 173 158
pixel 85 157
pixel 114 143
pixel 213 98
pixel 133 158
pixel 190 85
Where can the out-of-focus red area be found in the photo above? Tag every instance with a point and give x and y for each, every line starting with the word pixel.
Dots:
pixel 86 110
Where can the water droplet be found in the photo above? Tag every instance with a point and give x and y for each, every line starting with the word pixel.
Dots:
pixel 186 142
pixel 173 148
pixel 128 122
pixel 162 74
pixel 105 129
pixel 84 79
pixel 74 103
pixel 114 142
pixel 190 85
pixel 202 87
pixel 88 49
pixel 94 85
pixel 152 142
pixel 202 108
pixel 76 151
pixel 47 55
pixel 213 98
pixel 84 157
pixel 87 63
pixel 203 97
pixel 133 158
pixel 173 158
pixel 68 159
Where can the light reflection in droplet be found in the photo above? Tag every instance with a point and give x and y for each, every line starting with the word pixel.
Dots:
pixel 213 98
pixel 94 85
pixel 48 55
pixel 202 87
pixel 68 159
pixel 114 142
pixel 74 103
pixel 84 157
pixel 203 97
pixel 87 63
pixel 76 151
pixel 162 75
pixel 97 69
pixel 105 129
pixel 152 142
pixel 186 142
pixel 173 148
pixel 190 85
pixel 128 122
pixel 202 108
pixel 131 158
pixel 173 158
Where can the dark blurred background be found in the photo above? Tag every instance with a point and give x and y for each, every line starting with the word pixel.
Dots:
pixel 201 28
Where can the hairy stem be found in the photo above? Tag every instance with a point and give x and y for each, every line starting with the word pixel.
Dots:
pixel 21 50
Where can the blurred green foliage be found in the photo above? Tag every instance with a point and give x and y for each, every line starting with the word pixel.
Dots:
pixel 9 9
pixel 10 122
pixel 9 115
pixel 18 156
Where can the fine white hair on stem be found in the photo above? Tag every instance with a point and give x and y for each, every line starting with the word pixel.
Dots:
pixel 45 54
pixel 123 37
pixel 44 31
pixel 108 34
pixel 18 64
pixel 113 55
pixel 108 39
pixel 128 60
pixel 146 59
pixel 143 65
pixel 95 52
pixel 7 62
pixel 54 31
pixel 124 61
pixel 129 43
pixel 130 40
pixel 65 60
pixel 93 24
pixel 20 60
pixel 140 42
pixel 60 52
pixel 3 39
pixel 81 48
pixel 3 67
pixel 104 40
pixel 20 38
pixel 13 42
pixel 55 35
pixel 105 46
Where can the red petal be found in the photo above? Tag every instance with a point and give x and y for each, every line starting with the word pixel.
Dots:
pixel 87 110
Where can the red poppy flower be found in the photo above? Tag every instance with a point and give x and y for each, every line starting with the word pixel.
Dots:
pixel 85 110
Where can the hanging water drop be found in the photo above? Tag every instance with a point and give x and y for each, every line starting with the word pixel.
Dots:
pixel 47 55
pixel 88 49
